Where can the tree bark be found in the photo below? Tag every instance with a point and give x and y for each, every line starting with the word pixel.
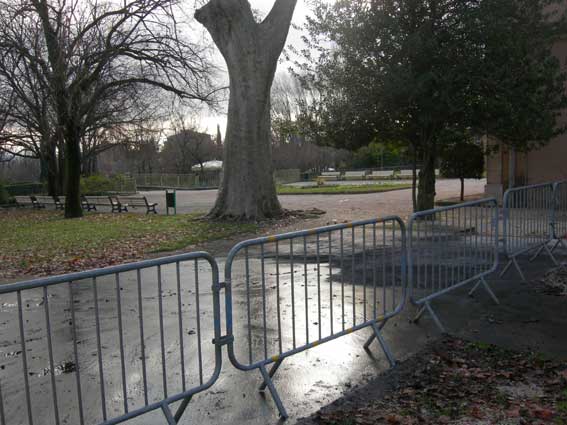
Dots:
pixel 73 207
pixel 65 107
pixel 251 51
pixel 462 189
pixel 49 167
pixel 414 179
pixel 61 168
pixel 426 190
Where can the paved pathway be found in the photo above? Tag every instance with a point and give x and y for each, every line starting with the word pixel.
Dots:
pixel 338 207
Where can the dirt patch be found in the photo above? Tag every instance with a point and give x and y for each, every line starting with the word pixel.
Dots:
pixel 454 381
pixel 555 281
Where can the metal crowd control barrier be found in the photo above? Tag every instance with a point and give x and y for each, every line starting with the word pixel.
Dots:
pixel 335 280
pixel 559 220
pixel 449 248
pixel 114 343
pixel 528 213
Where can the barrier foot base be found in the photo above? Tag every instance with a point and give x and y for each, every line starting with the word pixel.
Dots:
pixel 551 255
pixel 537 254
pixel 427 306
pixel 378 336
pixel 506 268
pixel 182 407
pixel 514 262
pixel 271 374
pixel 275 396
pixel 559 242
pixel 419 314
pixel 483 282
pixel 473 290
pixel 372 337
pixel 168 415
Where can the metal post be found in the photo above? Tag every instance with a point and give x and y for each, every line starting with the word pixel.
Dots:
pixel 273 371
pixel 273 392
pixel 181 409
pixel 483 282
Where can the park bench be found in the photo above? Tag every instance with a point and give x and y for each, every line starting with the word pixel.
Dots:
pixel 138 201
pixel 330 175
pixel 23 201
pixel 43 201
pixel 378 175
pixel 90 203
pixel 355 175
pixel 59 202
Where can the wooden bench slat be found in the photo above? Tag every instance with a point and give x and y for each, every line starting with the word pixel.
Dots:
pixel 138 201
pixel 24 200
pixel 90 203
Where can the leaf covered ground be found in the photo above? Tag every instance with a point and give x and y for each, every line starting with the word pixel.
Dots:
pixel 460 382
pixel 40 243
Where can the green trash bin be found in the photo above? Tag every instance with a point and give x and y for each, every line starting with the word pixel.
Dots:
pixel 171 201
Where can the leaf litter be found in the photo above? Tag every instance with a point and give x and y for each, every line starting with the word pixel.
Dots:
pixel 457 382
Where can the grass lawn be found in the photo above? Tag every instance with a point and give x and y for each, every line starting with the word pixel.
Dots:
pixel 43 242
pixel 341 189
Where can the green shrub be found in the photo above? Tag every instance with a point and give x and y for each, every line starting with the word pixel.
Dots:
pixel 102 185
pixel 4 195
pixel 96 185
pixel 23 189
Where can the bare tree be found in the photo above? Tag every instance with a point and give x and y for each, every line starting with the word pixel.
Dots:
pixel 92 51
pixel 119 119
pixel 251 50
pixel 29 129
pixel 136 151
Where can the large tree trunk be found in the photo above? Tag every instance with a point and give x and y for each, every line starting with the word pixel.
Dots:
pixel 72 173
pixel 51 168
pixel 65 107
pixel 251 51
pixel 426 189
pixel 414 178
pixel 61 167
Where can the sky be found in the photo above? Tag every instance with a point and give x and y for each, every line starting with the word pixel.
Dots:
pixel 208 121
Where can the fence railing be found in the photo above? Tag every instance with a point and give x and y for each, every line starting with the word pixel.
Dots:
pixel 559 221
pixel 102 334
pixel 319 268
pixel 125 184
pixel 128 340
pixel 206 180
pixel 528 223
pixel 449 248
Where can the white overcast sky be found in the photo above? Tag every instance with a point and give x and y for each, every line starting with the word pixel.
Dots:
pixel 207 122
